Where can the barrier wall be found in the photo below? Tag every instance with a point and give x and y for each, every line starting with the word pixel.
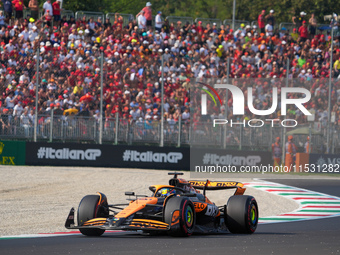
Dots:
pixel 150 157
pixel 201 158
pixel 124 156
pixel 12 152
pixel 324 163
pixel 74 154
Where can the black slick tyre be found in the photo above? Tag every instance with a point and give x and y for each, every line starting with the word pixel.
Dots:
pixel 241 214
pixel 89 209
pixel 185 222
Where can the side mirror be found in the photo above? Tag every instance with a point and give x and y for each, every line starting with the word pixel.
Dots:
pixel 129 193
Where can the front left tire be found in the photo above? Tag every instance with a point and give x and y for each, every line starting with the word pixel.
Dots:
pixel 184 224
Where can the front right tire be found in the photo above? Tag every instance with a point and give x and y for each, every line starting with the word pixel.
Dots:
pixel 88 209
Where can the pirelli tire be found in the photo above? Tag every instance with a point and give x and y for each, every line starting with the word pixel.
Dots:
pixel 241 214
pixel 88 209
pixel 187 216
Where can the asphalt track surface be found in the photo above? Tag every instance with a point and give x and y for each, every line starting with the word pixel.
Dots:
pixel 304 237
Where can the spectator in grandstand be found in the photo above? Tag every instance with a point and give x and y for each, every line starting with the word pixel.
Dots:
pixel 10 101
pixel 107 23
pixel 271 17
pixel 18 109
pixel 2 19
pixel 299 20
pixel 25 122
pixel 147 12
pixel 57 11
pixel 312 25
pixel 269 29
pixel 142 21
pixel 69 63
pixel 7 4
pixel 4 123
pixel 158 21
pixel 303 32
pixel 31 116
pixel 34 7
pixel 19 7
pixel 47 6
pixel 294 35
pixel 186 115
pixel 261 21
pixel 47 19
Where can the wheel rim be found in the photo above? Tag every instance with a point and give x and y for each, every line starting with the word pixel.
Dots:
pixel 253 215
pixel 189 216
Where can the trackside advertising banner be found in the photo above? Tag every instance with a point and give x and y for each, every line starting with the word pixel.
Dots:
pixel 224 161
pixel 72 154
pixel 12 152
pixel 324 163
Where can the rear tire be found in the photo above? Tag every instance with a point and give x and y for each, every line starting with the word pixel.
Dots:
pixel 241 215
pixel 89 209
pixel 187 216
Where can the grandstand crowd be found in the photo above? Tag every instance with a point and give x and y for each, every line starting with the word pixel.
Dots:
pixel 70 50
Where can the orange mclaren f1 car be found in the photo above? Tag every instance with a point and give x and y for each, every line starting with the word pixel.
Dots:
pixel 177 209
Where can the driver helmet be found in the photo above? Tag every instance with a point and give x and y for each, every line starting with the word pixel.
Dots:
pixel 167 192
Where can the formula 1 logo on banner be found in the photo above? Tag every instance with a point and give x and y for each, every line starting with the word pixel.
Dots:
pixel 66 153
pixel 149 156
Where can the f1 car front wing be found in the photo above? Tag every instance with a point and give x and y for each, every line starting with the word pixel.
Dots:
pixel 110 224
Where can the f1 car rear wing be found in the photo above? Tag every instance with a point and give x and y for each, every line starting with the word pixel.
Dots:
pixel 212 185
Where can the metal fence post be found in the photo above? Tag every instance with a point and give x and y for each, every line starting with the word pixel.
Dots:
pixel 310 138
pixel 270 137
pixel 334 139
pixel 241 137
pixel 95 131
pixel 234 13
pixel 330 91
pixel 51 125
pixel 62 129
pixel 179 131
pixel 36 98
pixel 101 97
pixel 226 107
pixel 126 134
pixel 162 106
pixel 129 138
pixel 190 132
pixel 284 129
pixel 116 127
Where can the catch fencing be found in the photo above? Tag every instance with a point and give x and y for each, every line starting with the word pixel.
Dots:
pixel 206 21
pixel 88 15
pixel 237 23
pixel 126 17
pixel 74 128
